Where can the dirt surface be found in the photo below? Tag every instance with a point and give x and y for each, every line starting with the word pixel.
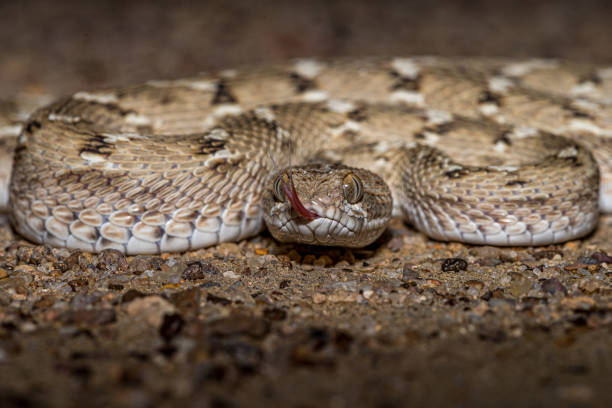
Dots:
pixel 406 321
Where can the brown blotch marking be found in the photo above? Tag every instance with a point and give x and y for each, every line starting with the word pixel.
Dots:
pixel 573 161
pixel 442 128
pixel 503 138
pixel 211 146
pixel 32 125
pixel 223 94
pixel 580 114
pixel 302 84
pixel 489 97
pixel 97 144
pixel 271 125
pixel 358 115
pixel 404 83
pixel 456 174
pixel 516 183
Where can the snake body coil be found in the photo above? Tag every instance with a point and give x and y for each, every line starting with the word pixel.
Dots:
pixel 484 151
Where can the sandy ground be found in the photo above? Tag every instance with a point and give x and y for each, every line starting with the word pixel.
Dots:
pixel 406 321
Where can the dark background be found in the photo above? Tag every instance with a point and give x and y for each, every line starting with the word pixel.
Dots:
pixel 60 46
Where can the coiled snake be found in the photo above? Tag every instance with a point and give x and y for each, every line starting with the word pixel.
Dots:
pixel 484 151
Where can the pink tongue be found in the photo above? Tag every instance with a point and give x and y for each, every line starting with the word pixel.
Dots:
pixel 297 204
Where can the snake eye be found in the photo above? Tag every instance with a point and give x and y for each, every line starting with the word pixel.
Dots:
pixel 279 193
pixel 352 188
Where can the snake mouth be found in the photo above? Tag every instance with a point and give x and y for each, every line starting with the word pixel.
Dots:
pixel 336 230
pixel 320 231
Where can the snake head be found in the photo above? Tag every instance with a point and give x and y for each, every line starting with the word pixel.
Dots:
pixel 325 204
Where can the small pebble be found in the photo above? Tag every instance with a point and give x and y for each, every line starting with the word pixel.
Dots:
pixel 113 261
pixel 454 265
pixel 553 286
pixel 231 275
pixel 601 257
pixel 409 274
pixel 151 309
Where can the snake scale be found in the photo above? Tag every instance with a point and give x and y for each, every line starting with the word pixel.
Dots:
pixel 477 150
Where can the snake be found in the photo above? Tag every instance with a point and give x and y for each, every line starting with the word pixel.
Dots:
pixel 486 151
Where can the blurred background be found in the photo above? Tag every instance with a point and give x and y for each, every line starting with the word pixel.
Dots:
pixel 59 46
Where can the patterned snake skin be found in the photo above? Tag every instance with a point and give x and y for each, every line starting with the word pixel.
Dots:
pixel 484 151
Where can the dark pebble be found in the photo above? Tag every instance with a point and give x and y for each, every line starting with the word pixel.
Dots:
pixel 601 257
pixel 78 283
pixel 454 265
pixel 587 260
pixel 199 270
pixel 187 301
pixel 274 314
pixel 115 286
pixel 171 326
pixel 131 295
pixel 342 341
pixel 318 337
pixel 553 286
pixel 113 261
pixel 217 300
pixel 487 295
